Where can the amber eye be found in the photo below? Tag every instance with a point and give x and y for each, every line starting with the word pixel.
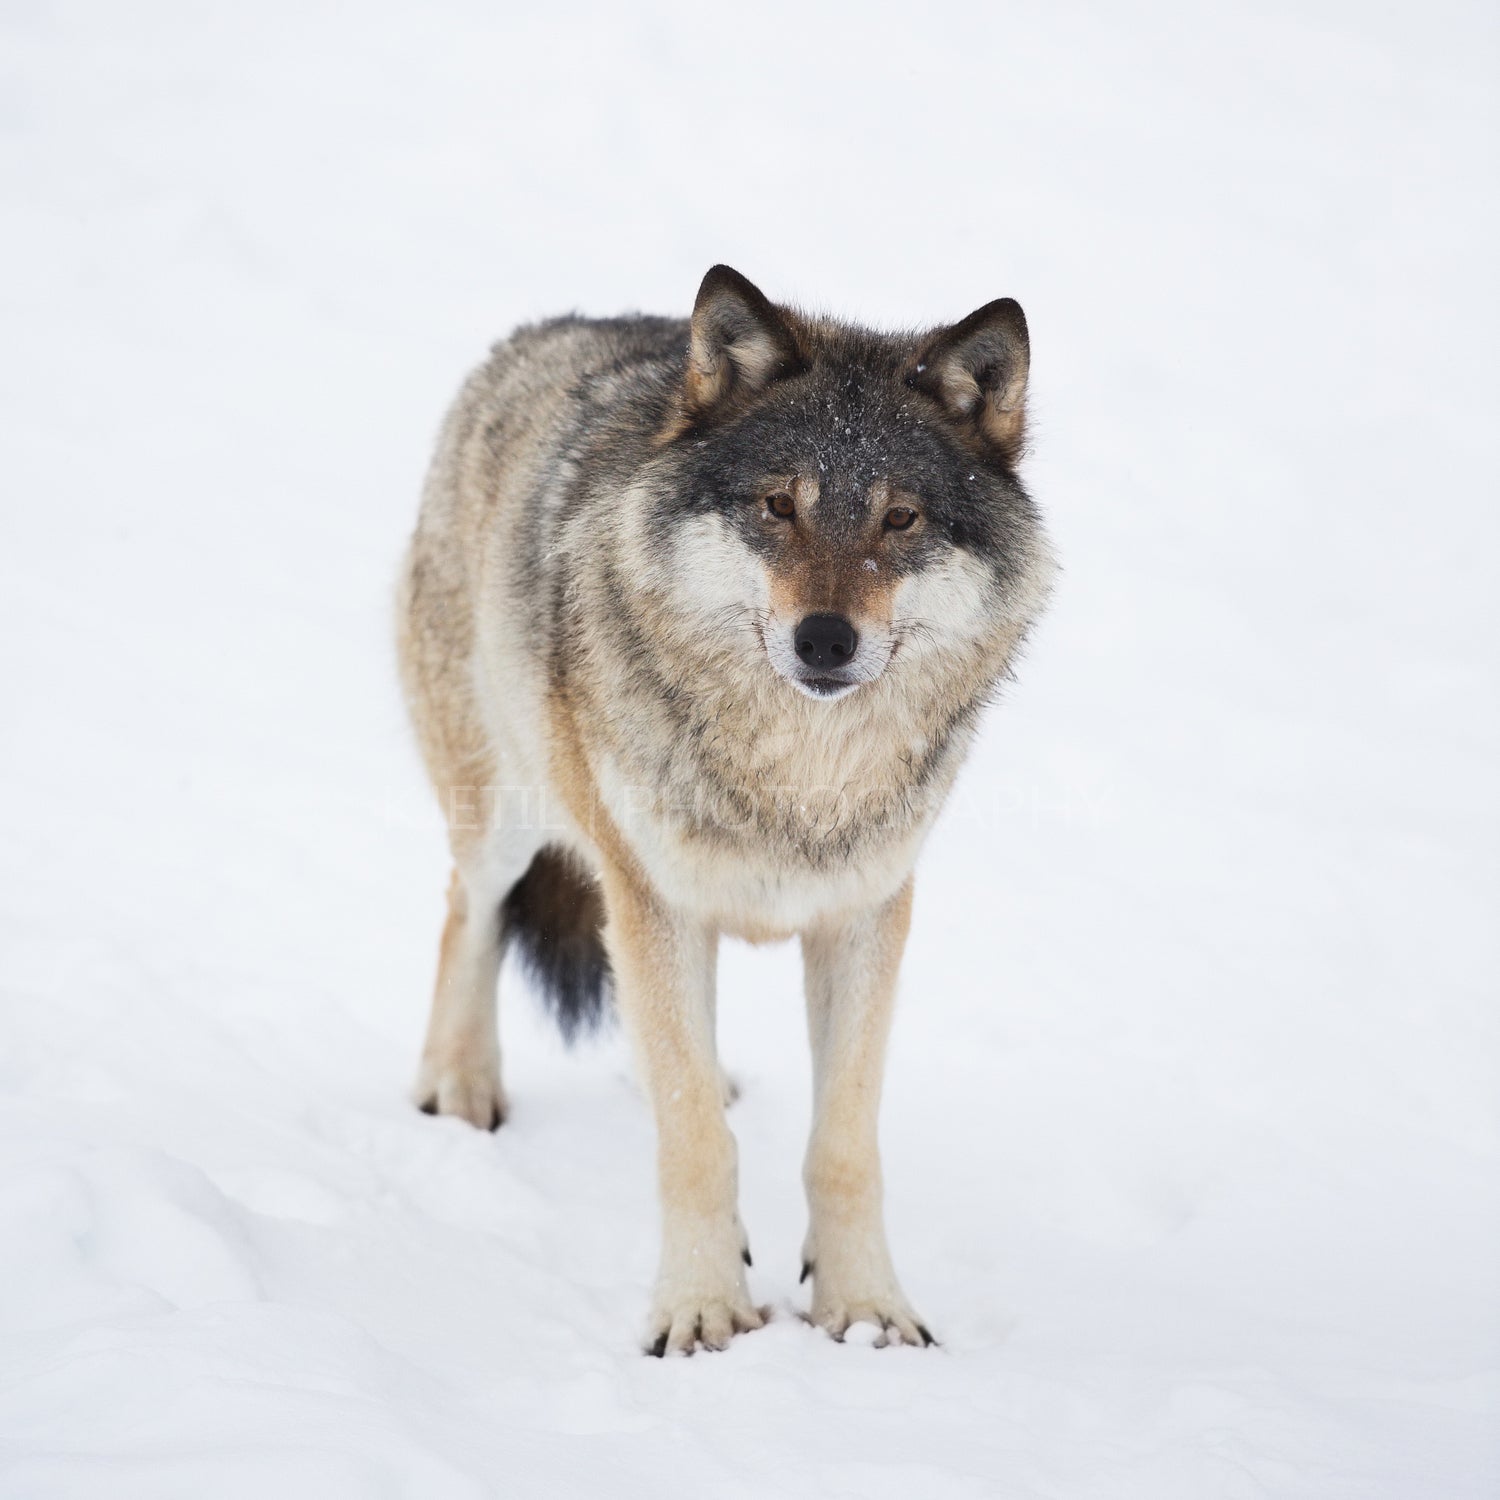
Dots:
pixel 899 517
pixel 781 504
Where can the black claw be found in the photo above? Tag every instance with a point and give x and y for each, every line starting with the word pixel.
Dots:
pixel 496 1118
pixel 428 1106
pixel 807 1270
pixel 659 1348
pixel 746 1254
pixel 927 1339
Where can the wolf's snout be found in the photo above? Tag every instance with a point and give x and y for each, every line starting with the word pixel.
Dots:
pixel 825 641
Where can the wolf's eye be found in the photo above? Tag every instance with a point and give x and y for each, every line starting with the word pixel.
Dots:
pixel 781 504
pixel 899 517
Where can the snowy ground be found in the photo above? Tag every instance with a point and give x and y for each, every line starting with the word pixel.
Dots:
pixel 1191 1133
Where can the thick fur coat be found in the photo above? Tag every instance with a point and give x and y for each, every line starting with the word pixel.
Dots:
pixel 696 627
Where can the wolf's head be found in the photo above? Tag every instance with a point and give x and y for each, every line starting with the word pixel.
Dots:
pixel 837 501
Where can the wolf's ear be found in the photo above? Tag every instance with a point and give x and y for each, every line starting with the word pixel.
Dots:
pixel 740 343
pixel 977 370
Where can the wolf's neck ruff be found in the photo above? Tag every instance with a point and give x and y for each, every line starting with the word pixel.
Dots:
pixel 730 759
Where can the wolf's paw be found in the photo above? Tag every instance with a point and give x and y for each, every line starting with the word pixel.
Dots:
pixel 839 1302
pixel 470 1092
pixel 679 1326
pixel 893 1316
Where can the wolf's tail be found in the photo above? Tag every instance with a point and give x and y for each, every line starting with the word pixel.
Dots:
pixel 554 915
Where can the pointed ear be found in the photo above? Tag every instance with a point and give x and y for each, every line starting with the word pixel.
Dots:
pixel 977 371
pixel 740 343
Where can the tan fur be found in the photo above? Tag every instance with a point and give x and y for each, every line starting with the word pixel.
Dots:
pixel 851 966
pixel 663 964
pixel 460 1073
pixel 811 574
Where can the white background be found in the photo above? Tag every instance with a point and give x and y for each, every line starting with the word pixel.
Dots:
pixel 1191 1128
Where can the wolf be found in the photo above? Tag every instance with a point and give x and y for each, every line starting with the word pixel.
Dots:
pixel 696 627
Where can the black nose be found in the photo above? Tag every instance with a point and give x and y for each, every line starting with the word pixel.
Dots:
pixel 825 641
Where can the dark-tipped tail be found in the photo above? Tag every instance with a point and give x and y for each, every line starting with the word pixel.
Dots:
pixel 554 915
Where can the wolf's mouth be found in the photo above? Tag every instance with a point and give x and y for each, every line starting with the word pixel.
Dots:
pixel 824 687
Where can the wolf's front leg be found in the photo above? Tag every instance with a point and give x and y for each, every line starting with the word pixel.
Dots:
pixel 664 975
pixel 851 969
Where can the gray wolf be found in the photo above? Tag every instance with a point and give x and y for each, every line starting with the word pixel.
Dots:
pixel 696 627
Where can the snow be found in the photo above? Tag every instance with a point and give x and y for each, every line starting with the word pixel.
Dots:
pixel 1191 1129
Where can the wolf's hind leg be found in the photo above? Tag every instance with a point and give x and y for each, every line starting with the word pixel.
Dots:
pixel 851 970
pixel 460 1069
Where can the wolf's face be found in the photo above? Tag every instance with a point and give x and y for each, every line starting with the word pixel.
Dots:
pixel 839 501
